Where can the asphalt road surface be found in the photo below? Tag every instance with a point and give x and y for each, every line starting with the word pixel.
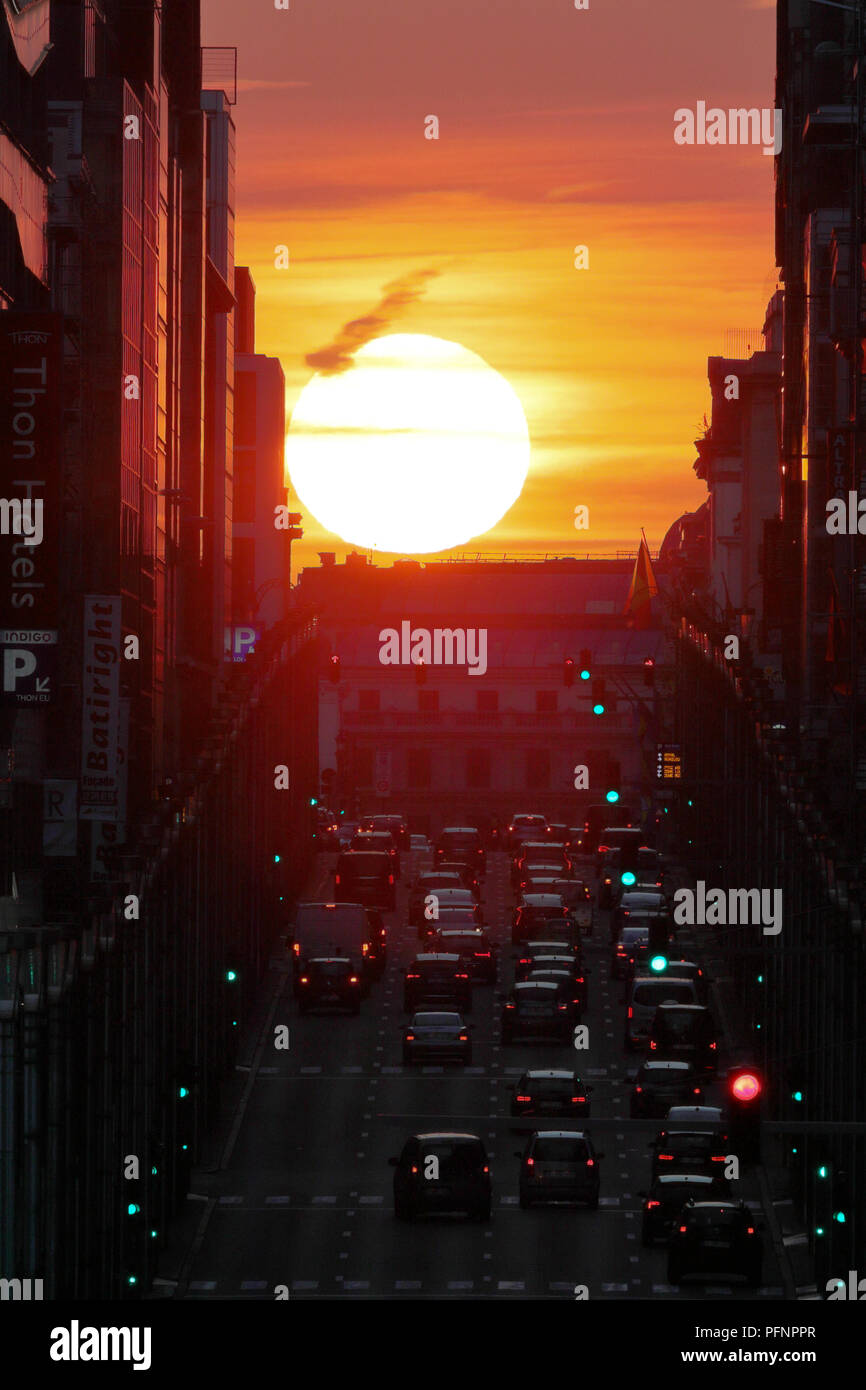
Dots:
pixel 301 1194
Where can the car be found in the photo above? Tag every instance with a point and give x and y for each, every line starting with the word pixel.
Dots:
pixel 538 853
pixel 329 982
pixel 577 897
pixel 461 842
pixel 688 1151
pixel 630 938
pixel 468 874
pixel 377 954
pixel 668 1195
pixel 474 947
pixel 536 911
pixel 450 919
pixel 397 826
pixel 660 1084
pixel 627 838
pixel 643 997
pixel 440 904
pixel 458 1180
pixel 524 827
pixel 423 885
pixel 382 840
pixel 718 1239
pixel 551 1092
pixel 569 992
pixel 687 1031
pixel 440 1035
pixel 419 844
pixel 346 830
pixel 437 979
pixel 559 833
pixel 366 877
pixel 690 970
pixel 639 900
pixel 567 965
pixel 547 946
pixel 536 1010
pixel 325 930
pixel 538 878
pixel 558 1165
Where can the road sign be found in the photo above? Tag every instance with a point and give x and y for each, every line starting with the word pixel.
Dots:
pixel 29 666
pixel 669 762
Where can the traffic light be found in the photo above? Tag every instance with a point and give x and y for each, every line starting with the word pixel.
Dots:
pixel 134 1266
pixel 598 689
pixel 334 669
pixel 649 670
pixel 420 673
pixel 568 672
pixel 745 1089
pixel 612 780
pixel 585 664
pixel 658 945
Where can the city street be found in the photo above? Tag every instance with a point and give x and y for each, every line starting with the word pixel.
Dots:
pixel 303 1197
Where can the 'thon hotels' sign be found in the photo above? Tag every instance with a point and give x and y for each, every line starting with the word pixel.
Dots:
pixel 31 358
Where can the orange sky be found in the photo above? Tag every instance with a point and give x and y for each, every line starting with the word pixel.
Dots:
pixel 556 128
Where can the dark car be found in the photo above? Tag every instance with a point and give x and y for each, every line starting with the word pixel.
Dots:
pixel 536 1010
pixel 537 878
pixel 539 853
pixel 463 843
pixel 468 874
pixel 441 905
pixel 538 910
pixel 546 946
pixel 525 827
pixel 474 947
pixel 689 1151
pixel 397 826
pixel 555 1092
pixel 329 983
pixel 559 1166
pixel 629 939
pixel 686 1031
pixel 450 918
pixel 439 1036
pixel 423 886
pixel 661 1084
pixel 569 992
pixel 559 833
pixel 718 1239
pixel 577 897
pixel 367 877
pixel 382 840
pixel 437 981
pixel 567 968
pixel 668 1195
pixel 442 1172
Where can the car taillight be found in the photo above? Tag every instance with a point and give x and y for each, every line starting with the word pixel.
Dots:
pixel 410 1037
pixel 638 1090
pixel 464 1037
pixel 630 1011
pixel 304 980
pixel 482 955
pixel 682 1230
pixel 461 977
pixel 486 1168
pixel 412 976
pixel 526 1099
pixel 590 1163
pixel 696 1091
pixel 562 1007
pixel 530 1163
pixel 414 1168
pixel 578 1100
pixel 718 1158
pixel 652 1204
pixel 296 947
pixel 714 1046
pixel 353 980
pixel 511 1006
pixel 653 1046
pixel 666 1158
pixel 390 878
pixel 750 1230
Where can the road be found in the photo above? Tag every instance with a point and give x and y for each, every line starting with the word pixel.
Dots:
pixel 301 1196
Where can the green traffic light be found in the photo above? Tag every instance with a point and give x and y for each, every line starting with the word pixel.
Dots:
pixel 612 796
pixel 133 1209
pixel 132 1279
pixel 797 1095
pixel 231 975
pixel 822 1171
pixel 182 1092
pixel 658 964
pixel 314 801
pixel 819 1230
pixel 627 878
pixel 840 1217
pixel 153 1235
pixel 584 675
pixel 277 858
pixel 598 709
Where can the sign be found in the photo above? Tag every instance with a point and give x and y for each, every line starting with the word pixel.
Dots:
pixel 31 359
pixel 100 710
pixel 28 665
pixel 669 763
pixel 240 641
pixel 59 818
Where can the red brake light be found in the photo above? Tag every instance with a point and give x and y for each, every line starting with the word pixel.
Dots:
pixel 630 1011
pixel 750 1230
pixel 509 1005
pixel 482 955
pixel 717 1158
pixel 652 1204
pixel 578 1100
pixel 682 1230
pixel 414 1168
pixel 390 878
pixel 562 1008
pixel 486 1168
pixel 412 976
pixel 696 1091
pixel 526 1099
pixel 666 1158
pixel 337 880
pixel 714 1046
pixel 590 1163
pixel 410 1037
pixel 638 1090
pixel 530 1163
pixel 464 1037
pixel 296 947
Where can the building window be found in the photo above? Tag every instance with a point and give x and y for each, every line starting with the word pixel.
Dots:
pixel 487 701
pixel 545 701
pixel 368 701
pixel 428 701
pixel 419 765
pixel 478 767
pixel 538 768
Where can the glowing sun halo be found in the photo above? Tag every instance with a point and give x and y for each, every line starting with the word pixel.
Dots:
pixel 416 448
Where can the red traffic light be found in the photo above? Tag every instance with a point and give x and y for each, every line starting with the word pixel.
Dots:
pixel 745 1086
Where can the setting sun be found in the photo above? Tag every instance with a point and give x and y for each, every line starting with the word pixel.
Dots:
pixel 419 446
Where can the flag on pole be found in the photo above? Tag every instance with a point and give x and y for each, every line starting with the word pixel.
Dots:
pixel 642 590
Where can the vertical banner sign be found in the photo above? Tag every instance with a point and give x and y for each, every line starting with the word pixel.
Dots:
pixel 100 710
pixel 105 836
pixel 31 359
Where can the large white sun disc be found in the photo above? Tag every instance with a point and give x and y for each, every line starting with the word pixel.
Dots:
pixel 418 447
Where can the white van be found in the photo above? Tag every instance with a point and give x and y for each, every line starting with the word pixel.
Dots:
pixel 644 995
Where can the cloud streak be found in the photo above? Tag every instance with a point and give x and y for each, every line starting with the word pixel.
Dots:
pixel 397 295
